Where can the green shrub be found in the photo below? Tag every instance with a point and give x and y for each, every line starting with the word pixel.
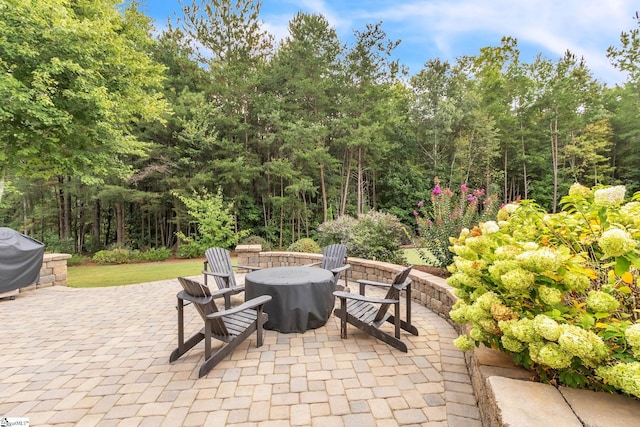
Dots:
pixel 115 256
pixel 305 245
pixel 559 292
pixel 155 254
pixel 374 235
pixel 77 259
pixel 191 250
pixel 215 223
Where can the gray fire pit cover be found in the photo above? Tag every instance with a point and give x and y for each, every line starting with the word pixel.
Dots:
pixel 20 260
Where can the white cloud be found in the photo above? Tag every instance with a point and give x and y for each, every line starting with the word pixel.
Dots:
pixel 442 28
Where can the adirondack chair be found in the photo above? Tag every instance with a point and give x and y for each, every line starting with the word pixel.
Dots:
pixel 368 313
pixel 218 265
pixel 334 259
pixel 230 326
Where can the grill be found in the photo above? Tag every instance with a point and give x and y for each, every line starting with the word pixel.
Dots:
pixel 20 261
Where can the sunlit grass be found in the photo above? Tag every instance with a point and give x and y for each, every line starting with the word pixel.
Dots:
pixel 413 257
pixel 93 276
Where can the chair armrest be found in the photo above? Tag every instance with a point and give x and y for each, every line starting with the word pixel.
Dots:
pixel 218 293
pixel 402 286
pixel 247 267
pixel 215 273
pixel 311 265
pixel 358 297
pixel 252 303
pixel 340 269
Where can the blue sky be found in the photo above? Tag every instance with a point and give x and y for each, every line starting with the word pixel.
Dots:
pixel 448 29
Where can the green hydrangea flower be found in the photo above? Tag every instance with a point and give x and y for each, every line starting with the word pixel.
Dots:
pixel 464 343
pixel 576 282
pixel 552 355
pixel 506 326
pixel 632 335
pixel 512 344
pixel 478 244
pixel 546 327
pixel 580 191
pixel 550 296
pixel 524 331
pixel 460 314
pixel 465 252
pixel 486 300
pixel 518 281
pixel 602 302
pixel 540 260
pixel 616 242
pixel 506 252
pixel 582 343
pixel 478 334
pixel 500 267
pixel 625 376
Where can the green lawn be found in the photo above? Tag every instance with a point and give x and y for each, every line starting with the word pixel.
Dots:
pixel 92 276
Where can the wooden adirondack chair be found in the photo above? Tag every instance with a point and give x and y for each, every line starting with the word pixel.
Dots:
pixel 334 259
pixel 218 265
pixel 368 314
pixel 230 326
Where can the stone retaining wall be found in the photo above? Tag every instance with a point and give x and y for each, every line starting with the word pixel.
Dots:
pixel 52 273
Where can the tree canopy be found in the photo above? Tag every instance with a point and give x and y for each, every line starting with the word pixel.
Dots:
pixel 105 127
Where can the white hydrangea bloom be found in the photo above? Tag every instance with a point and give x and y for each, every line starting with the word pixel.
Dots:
pixel 490 227
pixel 611 196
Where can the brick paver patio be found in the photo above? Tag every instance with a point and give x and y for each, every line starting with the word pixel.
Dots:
pixel 100 357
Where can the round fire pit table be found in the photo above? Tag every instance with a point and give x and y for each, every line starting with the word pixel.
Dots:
pixel 302 297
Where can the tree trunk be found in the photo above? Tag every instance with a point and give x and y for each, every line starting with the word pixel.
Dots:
pixel 554 158
pixel 345 193
pixel 95 226
pixel 360 181
pixel 120 237
pixel 323 189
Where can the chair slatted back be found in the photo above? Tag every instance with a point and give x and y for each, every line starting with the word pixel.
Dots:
pixel 334 256
pixel 199 290
pixel 399 282
pixel 219 260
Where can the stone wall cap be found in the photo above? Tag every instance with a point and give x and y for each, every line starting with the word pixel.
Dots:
pixel 56 257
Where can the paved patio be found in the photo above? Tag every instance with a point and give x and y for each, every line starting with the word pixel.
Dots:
pixel 100 357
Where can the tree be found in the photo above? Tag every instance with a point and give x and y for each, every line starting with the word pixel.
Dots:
pixel 370 74
pixel 77 79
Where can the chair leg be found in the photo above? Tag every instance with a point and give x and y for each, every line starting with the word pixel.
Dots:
pixel 183 346
pixel 343 318
pixel 396 323
pixel 226 349
pixel 376 333
pixel 260 319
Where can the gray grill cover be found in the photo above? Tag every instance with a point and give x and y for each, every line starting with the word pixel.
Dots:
pixel 20 260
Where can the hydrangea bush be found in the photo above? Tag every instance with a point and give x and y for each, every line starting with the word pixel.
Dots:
pixel 559 292
pixel 445 215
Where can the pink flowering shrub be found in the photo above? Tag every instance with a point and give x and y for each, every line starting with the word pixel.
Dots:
pixel 445 215
pixel 559 292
